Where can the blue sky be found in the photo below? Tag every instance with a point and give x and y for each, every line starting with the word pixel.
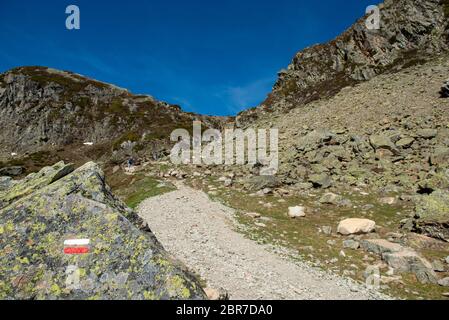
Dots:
pixel 209 56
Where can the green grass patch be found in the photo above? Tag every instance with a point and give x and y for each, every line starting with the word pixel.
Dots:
pixel 135 189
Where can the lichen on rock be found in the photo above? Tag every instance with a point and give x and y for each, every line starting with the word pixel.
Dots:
pixel 40 212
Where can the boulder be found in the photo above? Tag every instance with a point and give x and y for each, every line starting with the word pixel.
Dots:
pixel 407 260
pixel 12 171
pixel 427 133
pixel 334 199
pixel 438 266
pixel 405 142
pixel 440 156
pixel 124 260
pixel 356 226
pixel 383 142
pixel 432 215
pixel 257 183
pixel 296 212
pixel 321 180
pixel 351 244
pixel 380 246
pixel 444 282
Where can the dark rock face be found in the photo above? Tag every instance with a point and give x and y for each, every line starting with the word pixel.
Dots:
pixel 410 32
pixel 40 212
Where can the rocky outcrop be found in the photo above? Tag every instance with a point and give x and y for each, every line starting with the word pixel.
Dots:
pixel 401 259
pixel 44 108
pixel 410 32
pixel 125 260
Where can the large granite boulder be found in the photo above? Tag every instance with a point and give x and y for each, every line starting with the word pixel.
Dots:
pixel 125 261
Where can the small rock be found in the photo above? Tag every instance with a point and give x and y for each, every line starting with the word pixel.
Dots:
pixel 356 226
pixel 216 294
pixel 267 191
pixel 253 215
pixel 296 212
pixel 327 230
pixel 444 282
pixel 438 266
pixel 331 242
pixel 427 133
pixel 405 142
pixel 388 200
pixel 334 199
pixel 380 246
pixel 351 244
pixel 321 180
pixel 447 259
pixel 261 225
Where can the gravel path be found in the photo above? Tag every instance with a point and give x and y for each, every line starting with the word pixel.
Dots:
pixel 200 233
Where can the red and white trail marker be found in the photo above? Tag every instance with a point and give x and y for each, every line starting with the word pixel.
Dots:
pixel 76 246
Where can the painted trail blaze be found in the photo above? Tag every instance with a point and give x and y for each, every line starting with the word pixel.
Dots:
pixel 76 246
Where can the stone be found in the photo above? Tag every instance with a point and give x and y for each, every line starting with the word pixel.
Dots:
pixel 380 246
pixel 216 294
pixel 351 244
pixel 388 200
pixel 444 282
pixel 58 203
pixel 356 226
pixel 296 212
pixel 438 266
pixel 5 183
pixel 447 260
pixel 327 230
pixel 258 183
pixel 253 215
pixel 321 180
pixel 11 171
pixel 334 199
pixel 427 133
pixel 383 142
pixel 440 156
pixel 405 142
pixel 432 215
pixel 408 260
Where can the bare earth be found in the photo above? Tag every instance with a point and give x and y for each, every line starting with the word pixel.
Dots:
pixel 200 232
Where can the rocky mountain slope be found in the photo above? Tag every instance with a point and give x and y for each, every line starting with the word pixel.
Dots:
pixel 47 109
pixel 411 32
pixel 125 261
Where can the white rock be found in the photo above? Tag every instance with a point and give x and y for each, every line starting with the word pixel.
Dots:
pixel 88 143
pixel 296 212
pixel 388 200
pixel 356 226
